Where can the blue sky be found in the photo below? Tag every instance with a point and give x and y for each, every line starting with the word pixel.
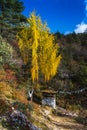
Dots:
pixel 64 16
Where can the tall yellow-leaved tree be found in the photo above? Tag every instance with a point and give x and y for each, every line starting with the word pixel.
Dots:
pixel 37 47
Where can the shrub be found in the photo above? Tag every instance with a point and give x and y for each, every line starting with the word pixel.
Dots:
pixel 81 120
pixel 4 105
pixel 5 52
pixel 5 89
pixel 20 95
pixel 27 109
pixel 74 107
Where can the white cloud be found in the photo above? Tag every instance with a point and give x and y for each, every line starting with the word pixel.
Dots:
pixel 81 28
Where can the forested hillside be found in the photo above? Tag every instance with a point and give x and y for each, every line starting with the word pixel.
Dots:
pixel 72 75
pixel 33 58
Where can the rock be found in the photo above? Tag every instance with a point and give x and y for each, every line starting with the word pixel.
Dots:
pixel 19 120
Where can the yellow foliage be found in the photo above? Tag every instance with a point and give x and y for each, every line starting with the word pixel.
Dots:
pixel 37 47
pixel 33 21
pixel 49 61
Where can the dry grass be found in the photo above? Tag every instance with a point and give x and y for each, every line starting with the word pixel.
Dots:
pixel 5 89
pixel 20 95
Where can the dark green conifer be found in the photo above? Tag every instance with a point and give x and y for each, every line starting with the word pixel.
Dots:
pixel 10 18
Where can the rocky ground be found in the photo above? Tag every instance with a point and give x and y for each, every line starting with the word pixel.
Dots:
pixel 63 121
pixel 42 118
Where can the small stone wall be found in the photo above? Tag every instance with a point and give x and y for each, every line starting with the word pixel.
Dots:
pixel 50 101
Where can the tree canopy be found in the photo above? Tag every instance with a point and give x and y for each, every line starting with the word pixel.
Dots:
pixel 10 17
pixel 37 47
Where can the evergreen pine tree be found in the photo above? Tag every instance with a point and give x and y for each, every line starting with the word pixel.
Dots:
pixel 10 18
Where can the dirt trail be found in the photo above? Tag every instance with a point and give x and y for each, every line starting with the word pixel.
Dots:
pixel 65 123
pixel 59 122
